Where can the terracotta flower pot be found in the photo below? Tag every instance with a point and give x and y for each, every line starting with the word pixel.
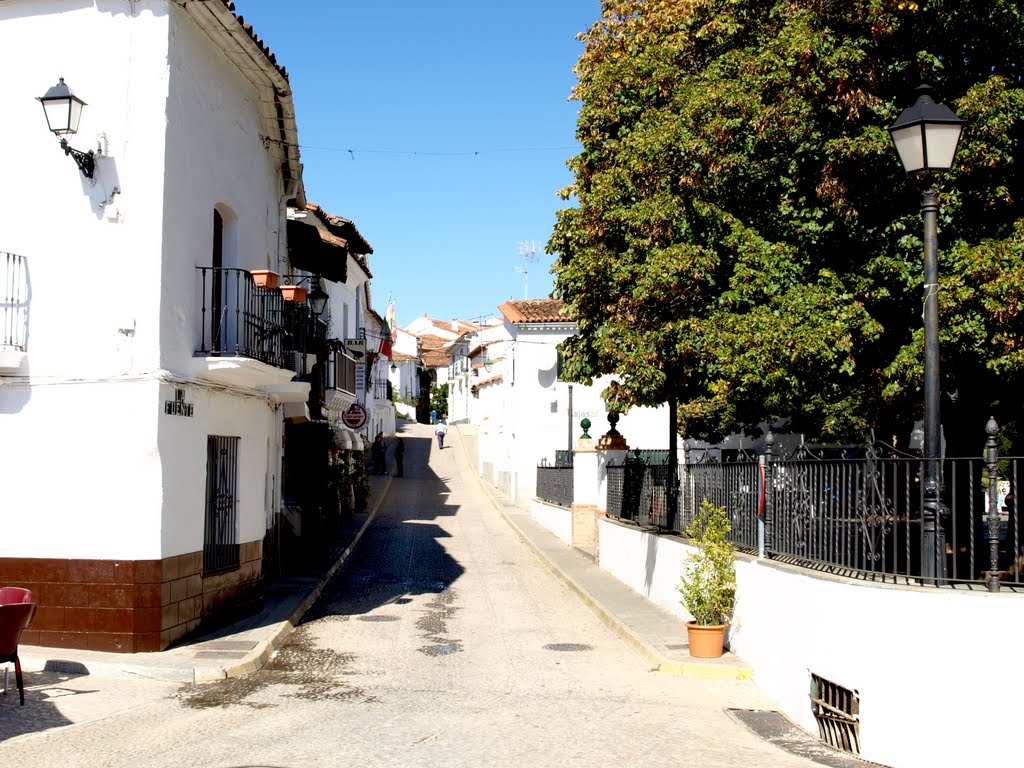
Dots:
pixel 264 278
pixel 706 641
pixel 293 293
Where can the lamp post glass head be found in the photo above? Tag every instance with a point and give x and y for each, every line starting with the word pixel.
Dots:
pixel 62 108
pixel 926 134
pixel 318 297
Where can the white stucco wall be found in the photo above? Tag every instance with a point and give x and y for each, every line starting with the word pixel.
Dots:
pixel 937 670
pixel 182 445
pixel 76 485
pixel 92 267
pixel 214 157
pixel 556 519
pixel 99 470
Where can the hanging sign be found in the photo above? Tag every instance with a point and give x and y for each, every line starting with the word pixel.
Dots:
pixel 354 416
pixel 356 348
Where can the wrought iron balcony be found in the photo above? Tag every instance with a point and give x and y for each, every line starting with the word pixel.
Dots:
pixel 238 318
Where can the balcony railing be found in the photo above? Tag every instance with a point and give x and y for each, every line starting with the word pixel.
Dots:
pixel 13 302
pixel 239 319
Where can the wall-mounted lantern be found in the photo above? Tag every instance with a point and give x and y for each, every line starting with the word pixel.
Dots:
pixel 63 111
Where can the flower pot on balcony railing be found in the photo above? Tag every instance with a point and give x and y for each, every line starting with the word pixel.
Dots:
pixel 265 278
pixel 295 293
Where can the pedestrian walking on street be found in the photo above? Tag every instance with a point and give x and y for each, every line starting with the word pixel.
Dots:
pixel 441 429
pixel 433 417
pixel 399 457
pixel 378 453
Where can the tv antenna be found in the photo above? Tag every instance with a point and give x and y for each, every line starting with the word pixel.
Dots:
pixel 528 253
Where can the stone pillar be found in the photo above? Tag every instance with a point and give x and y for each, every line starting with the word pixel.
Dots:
pixel 586 483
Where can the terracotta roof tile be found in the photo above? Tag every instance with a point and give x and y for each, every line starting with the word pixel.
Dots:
pixel 535 311
pixel 264 48
pixel 347 229
pixel 436 358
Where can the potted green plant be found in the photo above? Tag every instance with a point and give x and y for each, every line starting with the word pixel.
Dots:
pixel 708 582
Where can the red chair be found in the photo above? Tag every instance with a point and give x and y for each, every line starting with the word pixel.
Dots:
pixel 14 617
pixel 10 595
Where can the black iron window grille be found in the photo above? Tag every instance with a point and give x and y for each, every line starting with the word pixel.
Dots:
pixel 13 301
pixel 220 544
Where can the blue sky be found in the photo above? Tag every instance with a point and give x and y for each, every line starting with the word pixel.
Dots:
pixel 459 125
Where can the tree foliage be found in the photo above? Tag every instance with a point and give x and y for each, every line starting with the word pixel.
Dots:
pixel 439 399
pixel 742 237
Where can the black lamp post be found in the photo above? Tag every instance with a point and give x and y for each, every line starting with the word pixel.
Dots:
pixel 926 137
pixel 63 112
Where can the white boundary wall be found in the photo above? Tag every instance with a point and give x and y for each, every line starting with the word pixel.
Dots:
pixel 556 519
pixel 938 671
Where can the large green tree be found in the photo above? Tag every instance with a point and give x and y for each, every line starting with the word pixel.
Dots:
pixel 743 239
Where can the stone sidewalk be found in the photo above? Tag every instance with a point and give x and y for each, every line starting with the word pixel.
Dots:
pixel 657 636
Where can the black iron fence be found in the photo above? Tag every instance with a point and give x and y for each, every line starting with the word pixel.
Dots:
pixel 555 485
pixel 858 512
pixel 238 318
pixel 13 301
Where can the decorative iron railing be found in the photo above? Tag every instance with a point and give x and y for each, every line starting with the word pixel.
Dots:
pixel 13 301
pixel 858 512
pixel 555 485
pixel 238 318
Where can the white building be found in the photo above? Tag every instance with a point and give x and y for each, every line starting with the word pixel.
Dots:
pixel 525 412
pixel 143 427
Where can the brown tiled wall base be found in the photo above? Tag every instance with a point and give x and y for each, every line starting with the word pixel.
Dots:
pixel 128 606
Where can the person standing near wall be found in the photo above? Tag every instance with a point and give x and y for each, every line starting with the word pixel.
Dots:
pixel 399 457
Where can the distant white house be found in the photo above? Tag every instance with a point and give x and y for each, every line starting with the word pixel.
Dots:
pixel 525 413
pixel 434 342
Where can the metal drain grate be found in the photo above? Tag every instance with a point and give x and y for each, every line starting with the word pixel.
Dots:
pixel 568 647
pixel 837 711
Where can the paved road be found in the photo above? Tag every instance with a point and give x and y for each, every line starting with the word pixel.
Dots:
pixel 443 642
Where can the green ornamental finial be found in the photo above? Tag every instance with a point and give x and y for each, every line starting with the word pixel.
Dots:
pixel 586 426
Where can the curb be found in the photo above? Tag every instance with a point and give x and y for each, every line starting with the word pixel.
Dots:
pixel 266 648
pixel 185 671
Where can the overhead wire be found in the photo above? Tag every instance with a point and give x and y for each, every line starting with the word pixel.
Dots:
pixel 415 152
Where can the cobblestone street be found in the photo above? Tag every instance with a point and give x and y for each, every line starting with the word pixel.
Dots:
pixel 442 642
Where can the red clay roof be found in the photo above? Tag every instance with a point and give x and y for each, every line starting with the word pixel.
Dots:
pixel 255 38
pixel 346 229
pixel 535 311
pixel 436 358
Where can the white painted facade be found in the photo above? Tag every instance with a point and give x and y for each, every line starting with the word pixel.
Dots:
pixel 907 651
pixel 526 417
pixel 114 314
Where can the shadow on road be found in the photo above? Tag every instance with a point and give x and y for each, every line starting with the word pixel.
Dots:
pixel 41 712
pixel 401 553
